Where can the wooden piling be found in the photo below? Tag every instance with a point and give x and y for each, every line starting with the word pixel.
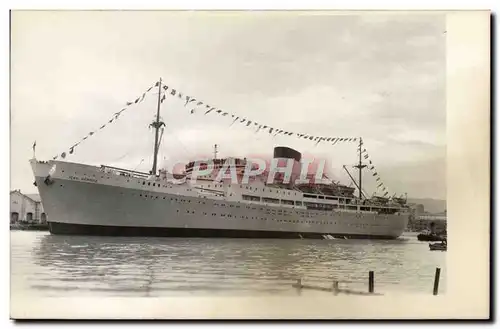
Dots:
pixel 371 283
pixel 335 287
pixel 436 281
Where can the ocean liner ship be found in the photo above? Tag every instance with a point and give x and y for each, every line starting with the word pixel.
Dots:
pixel 103 200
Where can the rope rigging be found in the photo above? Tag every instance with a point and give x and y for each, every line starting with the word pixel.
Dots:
pixel 113 118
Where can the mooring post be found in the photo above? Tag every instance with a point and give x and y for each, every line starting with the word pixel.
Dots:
pixel 370 282
pixel 436 281
pixel 298 286
pixel 335 287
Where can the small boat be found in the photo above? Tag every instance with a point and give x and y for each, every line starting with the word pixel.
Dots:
pixel 442 246
pixel 429 237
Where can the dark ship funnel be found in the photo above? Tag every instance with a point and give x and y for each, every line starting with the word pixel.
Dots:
pixel 284 152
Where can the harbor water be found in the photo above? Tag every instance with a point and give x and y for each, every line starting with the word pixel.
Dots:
pixel 46 265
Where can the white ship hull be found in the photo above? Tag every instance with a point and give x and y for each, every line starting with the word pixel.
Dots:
pixel 81 199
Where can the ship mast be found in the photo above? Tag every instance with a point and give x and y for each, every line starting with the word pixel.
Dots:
pixel 157 124
pixel 360 167
pixel 215 152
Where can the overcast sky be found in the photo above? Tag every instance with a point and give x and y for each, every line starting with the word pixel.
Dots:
pixel 379 76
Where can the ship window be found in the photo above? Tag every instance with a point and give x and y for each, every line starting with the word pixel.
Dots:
pixel 270 200
pixel 149 184
pixel 250 197
pixel 289 202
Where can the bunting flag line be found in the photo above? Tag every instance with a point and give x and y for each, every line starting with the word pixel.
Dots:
pixel 196 104
pixel 114 118
pixel 247 122
pixel 381 186
pixel 234 121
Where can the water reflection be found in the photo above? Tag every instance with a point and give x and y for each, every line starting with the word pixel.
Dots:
pixel 166 266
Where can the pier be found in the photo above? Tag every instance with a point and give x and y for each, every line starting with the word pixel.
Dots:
pixel 335 290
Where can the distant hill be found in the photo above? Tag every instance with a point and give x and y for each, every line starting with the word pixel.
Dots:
pixel 430 205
